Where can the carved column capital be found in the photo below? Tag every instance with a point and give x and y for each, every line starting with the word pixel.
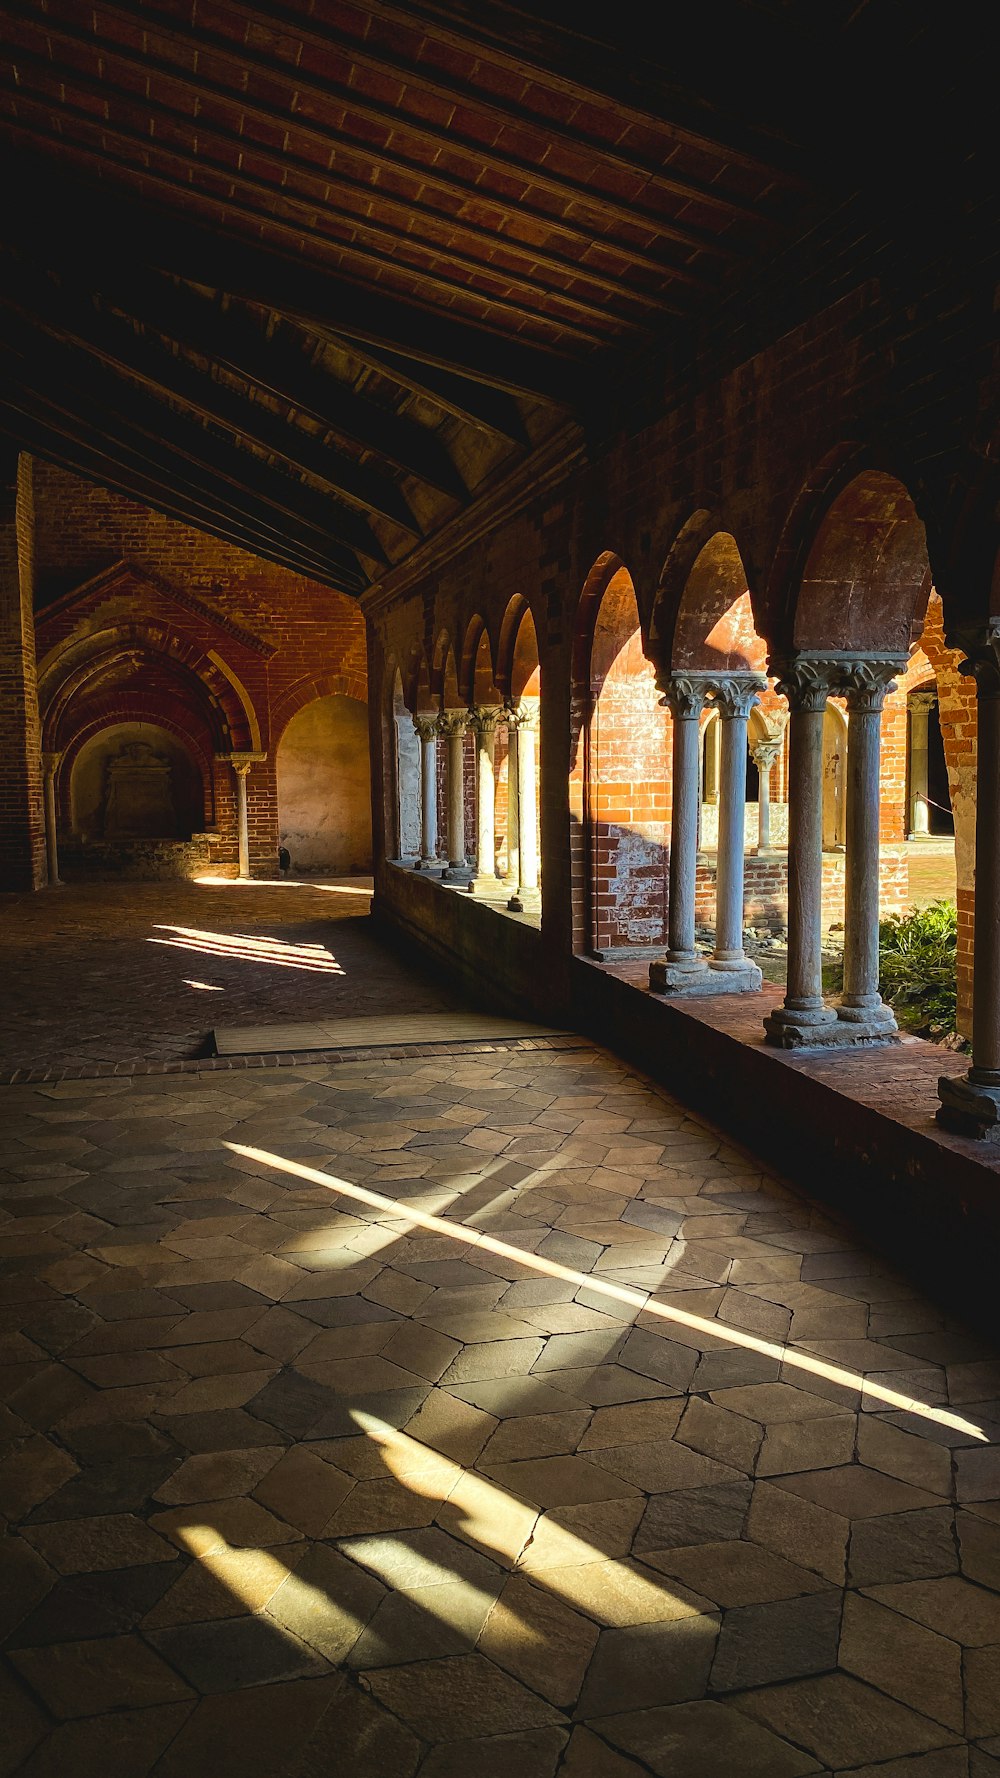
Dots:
pixel 485 718
pixel 452 723
pixel 922 700
pixel 684 694
pixel 50 763
pixel 241 762
pixel 735 694
pixel 805 681
pixel 520 716
pixel 426 727
pixel 865 682
pixel 764 753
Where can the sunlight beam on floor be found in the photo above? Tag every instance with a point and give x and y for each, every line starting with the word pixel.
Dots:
pixel 622 1293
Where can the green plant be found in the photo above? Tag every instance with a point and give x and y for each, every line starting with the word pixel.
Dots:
pixel 917 953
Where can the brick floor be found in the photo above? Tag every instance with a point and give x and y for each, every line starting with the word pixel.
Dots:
pixel 544 1432
pixel 115 972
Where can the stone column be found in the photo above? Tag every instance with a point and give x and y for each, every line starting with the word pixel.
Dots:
pixel 427 733
pixel 527 809
pixel 484 719
pixel 970 1104
pixel 452 726
pixel 735 697
pixel 682 970
pixel 804 1019
pixel 50 766
pixel 861 1007
pixel 241 764
pixel 513 876
pixel 920 705
pixel 710 788
pixel 22 810
pixel 764 754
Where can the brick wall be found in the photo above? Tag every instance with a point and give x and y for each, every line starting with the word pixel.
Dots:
pixel 22 826
pixel 209 640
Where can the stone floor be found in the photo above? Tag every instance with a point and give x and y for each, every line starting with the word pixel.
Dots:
pixel 113 972
pixel 538 1432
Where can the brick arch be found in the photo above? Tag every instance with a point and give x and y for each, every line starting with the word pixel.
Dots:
pixel 68 668
pixel 475 684
pixel 513 670
pixel 704 616
pixel 878 495
pixel 306 691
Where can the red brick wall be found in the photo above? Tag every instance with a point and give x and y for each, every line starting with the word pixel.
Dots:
pixel 188 597
pixel 22 829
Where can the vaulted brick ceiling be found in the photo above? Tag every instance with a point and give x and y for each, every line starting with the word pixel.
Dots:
pixel 312 276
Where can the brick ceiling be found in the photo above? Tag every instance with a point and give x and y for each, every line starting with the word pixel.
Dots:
pixel 313 276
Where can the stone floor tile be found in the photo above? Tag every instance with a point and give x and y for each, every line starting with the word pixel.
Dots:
pixel 533 1635
pixel 31 1474
pixel 771 1402
pixel 262 1731
pixel 201 1528
pixel 217 1475
pixel 24 1726
pixel 910 1663
pixel 449 1700
pixel 977 1473
pixel 88 1678
pixel 637 1422
pixel 455 1427
pixel 842 1721
pixel 952 1606
pixel 86 1606
pixel 620 1593
pixel 857 1492
pixel 234 1653
pixel 704 1740
pixel 126 1741
pixel 786 1639
pixel 537 1435
pixel 792 1445
pixel 715 1432
pixel 979 1546
pixel 902 1547
pixel 645 1665
pixel 735 1573
pixel 85 1546
pixel 694 1516
pixel 303 1491
pixel 509 1397
pixel 663 1465
pixel 326 1601
pixel 229 1583
pixel 535 1754
pixel 588 1756
pixel 949 1762
pixel 558 1481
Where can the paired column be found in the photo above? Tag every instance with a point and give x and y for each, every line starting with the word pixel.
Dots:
pixel 484 719
pixel 861 1016
pixel 513 876
pixel 521 724
pixel 50 766
pixel 683 970
pixel 970 1105
pixel 764 754
pixel 861 1005
pixel 452 726
pixel 921 703
pixel 427 733
pixel 734 697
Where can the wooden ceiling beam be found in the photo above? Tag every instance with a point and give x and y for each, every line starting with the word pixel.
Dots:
pixel 327 93
pixel 197 460
pixel 429 79
pixel 108 467
pixel 400 233
pixel 121 351
pixel 312 213
pixel 43 206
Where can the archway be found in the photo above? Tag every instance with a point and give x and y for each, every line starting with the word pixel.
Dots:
pixel 324 792
pixel 135 781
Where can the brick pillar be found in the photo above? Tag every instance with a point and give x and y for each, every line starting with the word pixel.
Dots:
pixel 22 819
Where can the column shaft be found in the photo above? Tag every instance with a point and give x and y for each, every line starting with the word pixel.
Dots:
pixel 452 726
pixel 734 698
pixel 50 766
pixel 801 1019
pixel 682 968
pixel 484 723
pixel 242 820
pixel 527 808
pixel 920 705
pixel 861 1004
pixel 513 876
pixel 427 732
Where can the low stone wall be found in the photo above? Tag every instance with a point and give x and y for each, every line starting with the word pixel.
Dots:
pixel 766 881
pixel 710 825
pixel 137 861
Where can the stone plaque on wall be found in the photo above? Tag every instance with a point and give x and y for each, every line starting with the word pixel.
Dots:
pixel 139 802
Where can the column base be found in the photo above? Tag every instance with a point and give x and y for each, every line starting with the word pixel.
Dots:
pixel 877 1017
pixel 700 978
pixel 483 884
pixel 967 1109
pixel 789 1029
pixel 457 873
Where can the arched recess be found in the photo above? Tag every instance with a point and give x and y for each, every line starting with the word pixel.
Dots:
pixel 406 776
pixel 519 684
pixel 324 787
pixel 134 781
pixel 135 656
